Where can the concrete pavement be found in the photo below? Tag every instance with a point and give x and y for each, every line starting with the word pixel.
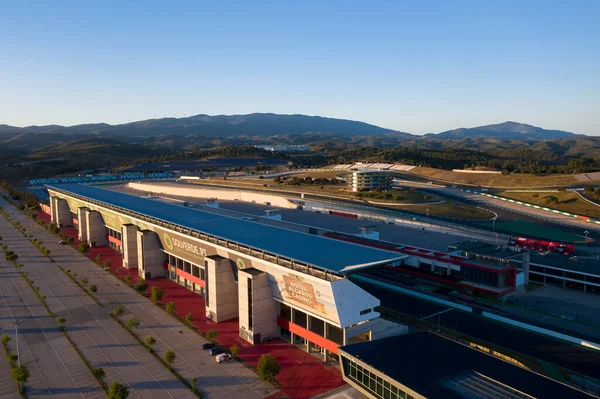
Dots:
pixel 231 380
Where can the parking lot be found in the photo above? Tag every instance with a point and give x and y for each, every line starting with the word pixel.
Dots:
pixel 108 345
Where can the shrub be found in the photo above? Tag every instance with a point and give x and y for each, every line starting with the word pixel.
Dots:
pixel 92 289
pixel 118 310
pixel 84 281
pixel 267 367
pixel 116 390
pixel 70 240
pixel 107 265
pixel 98 259
pixel 235 351
pixel 141 286
pixel 188 318
pixel 128 279
pixel 157 294
pixel 170 307
pixel 99 373
pixel 84 247
pixel 212 334
pixel 11 256
pixel 5 339
pixel 61 320
pixel 132 323
pixel 150 340
pixel 20 374
pixel 170 357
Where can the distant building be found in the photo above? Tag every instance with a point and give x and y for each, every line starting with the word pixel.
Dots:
pixel 368 180
pixel 426 365
pixel 284 148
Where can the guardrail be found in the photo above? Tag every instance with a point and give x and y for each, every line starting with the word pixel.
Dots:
pixel 543 208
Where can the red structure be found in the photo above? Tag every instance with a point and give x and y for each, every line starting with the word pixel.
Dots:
pixel 539 245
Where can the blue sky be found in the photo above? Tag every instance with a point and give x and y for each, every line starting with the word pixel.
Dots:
pixel 416 66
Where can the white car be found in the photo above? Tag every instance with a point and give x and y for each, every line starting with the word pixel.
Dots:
pixel 223 357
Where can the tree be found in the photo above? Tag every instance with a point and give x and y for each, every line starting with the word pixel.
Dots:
pixel 128 279
pixel 84 281
pixel 170 307
pixel 235 351
pixel 5 339
pixel 93 289
pixel 99 373
pixel 84 247
pixel 157 294
pixel 132 323
pixel 211 334
pixel 20 374
pixel 170 357
pixel 268 367
pixel 277 179
pixel 150 340
pixel 117 391
pixel 61 320
pixel 98 259
pixel 188 317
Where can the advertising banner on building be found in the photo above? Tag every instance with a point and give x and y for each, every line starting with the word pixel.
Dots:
pixel 311 294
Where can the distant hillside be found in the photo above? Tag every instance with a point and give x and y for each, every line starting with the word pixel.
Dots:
pixel 216 126
pixel 505 131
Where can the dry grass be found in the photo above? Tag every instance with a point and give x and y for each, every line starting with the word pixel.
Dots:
pixel 568 202
pixel 496 180
pixel 453 209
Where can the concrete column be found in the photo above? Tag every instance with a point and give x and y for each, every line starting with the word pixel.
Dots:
pixel 82 226
pixel 293 320
pixel 526 258
pixel 264 307
pixel 130 247
pixel 308 327
pixel 60 212
pixel 222 289
pixel 326 352
pixel 96 230
pixel 149 255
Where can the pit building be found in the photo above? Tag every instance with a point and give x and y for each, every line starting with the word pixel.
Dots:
pixel 276 282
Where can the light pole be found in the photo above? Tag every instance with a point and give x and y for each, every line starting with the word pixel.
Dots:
pixel 586 237
pixel 15 324
pixel 494 224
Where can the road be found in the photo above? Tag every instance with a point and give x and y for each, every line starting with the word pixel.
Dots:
pixel 508 211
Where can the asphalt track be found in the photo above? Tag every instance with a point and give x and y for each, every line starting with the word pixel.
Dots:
pixel 571 357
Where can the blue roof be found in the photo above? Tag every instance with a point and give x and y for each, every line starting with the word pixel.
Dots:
pixel 325 253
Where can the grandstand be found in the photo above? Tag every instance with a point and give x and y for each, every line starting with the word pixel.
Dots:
pixel 100 178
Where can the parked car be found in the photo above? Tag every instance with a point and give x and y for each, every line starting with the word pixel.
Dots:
pixel 207 345
pixel 62 242
pixel 217 350
pixel 223 357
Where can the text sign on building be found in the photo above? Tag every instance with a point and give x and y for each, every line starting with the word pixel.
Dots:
pixel 309 293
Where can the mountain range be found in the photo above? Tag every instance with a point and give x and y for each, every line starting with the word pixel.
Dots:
pixel 268 125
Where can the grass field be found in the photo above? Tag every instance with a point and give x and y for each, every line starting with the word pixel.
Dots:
pixel 453 209
pixel 496 180
pixel 526 229
pixel 568 202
